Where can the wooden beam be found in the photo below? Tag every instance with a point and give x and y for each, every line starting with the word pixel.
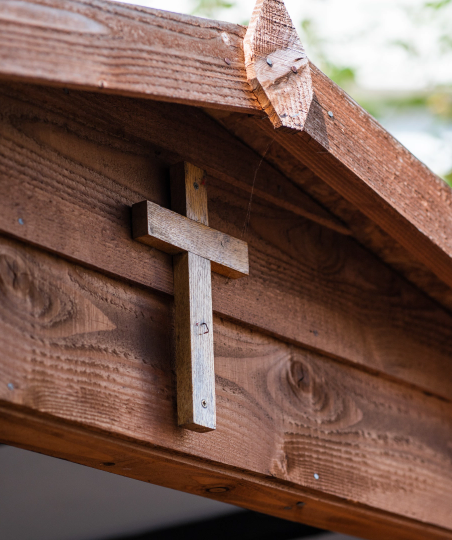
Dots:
pixel 349 150
pixel 195 61
pixel 174 233
pixel 90 158
pixel 277 66
pixel 85 365
pixel 124 49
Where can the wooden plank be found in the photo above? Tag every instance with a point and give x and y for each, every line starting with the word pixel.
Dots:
pixel 351 152
pixel 196 407
pixel 364 230
pixel 292 425
pixel 173 233
pixel 100 450
pixel 277 66
pixel 193 315
pixel 130 50
pixel 90 158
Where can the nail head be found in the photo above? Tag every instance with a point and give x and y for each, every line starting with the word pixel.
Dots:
pixel 300 504
pixel 21 221
pixel 228 62
pixel 330 114
pixel 269 62
pixel 10 386
pixel 196 185
pixel 294 69
pixel 316 476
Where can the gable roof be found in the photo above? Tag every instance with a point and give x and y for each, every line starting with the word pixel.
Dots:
pixel 129 50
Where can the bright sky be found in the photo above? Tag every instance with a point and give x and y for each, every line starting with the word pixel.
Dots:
pixel 393 45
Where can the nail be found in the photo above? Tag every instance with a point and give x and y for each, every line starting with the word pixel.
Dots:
pixel 316 476
pixel 228 62
pixel 269 62
pixel 294 69
pixel 10 386
pixel 330 114
pixel 21 221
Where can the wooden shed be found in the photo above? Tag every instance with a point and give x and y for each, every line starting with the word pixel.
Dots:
pixel 138 146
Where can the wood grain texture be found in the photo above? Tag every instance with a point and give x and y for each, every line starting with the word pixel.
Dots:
pixel 195 371
pixel 364 230
pixel 277 66
pixel 173 233
pixel 84 348
pixel 98 449
pixel 196 407
pixel 352 153
pixel 131 50
pixel 350 150
pixel 83 160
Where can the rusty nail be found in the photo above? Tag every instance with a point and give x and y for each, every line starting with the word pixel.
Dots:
pixel 269 62
pixel 204 403
pixel 228 62
pixel 294 69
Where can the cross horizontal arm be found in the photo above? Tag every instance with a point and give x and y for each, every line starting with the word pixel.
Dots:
pixel 173 233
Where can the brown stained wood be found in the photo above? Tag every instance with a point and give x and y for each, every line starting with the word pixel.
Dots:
pixel 349 150
pixel 364 230
pixel 352 153
pixel 97 449
pixel 80 347
pixel 173 233
pixel 82 156
pixel 277 66
pixel 130 50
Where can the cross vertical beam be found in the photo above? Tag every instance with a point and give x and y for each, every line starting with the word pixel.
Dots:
pixel 197 250
pixel 196 408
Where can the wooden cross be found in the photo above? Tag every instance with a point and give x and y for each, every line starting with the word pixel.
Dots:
pixel 197 250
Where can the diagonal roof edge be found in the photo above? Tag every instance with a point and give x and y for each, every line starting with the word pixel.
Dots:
pixel 110 47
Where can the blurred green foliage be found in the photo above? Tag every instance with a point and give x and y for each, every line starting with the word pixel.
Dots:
pixel 437 101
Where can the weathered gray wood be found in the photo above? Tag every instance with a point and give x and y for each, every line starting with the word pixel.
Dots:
pixel 277 66
pixel 173 233
pixel 196 406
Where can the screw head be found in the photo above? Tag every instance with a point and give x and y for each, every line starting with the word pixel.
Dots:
pixel 269 62
pixel 330 114
pixel 204 403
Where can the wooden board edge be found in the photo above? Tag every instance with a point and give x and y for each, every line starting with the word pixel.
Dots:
pixel 37 432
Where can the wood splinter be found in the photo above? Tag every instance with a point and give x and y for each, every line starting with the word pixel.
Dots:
pixel 277 66
pixel 197 249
